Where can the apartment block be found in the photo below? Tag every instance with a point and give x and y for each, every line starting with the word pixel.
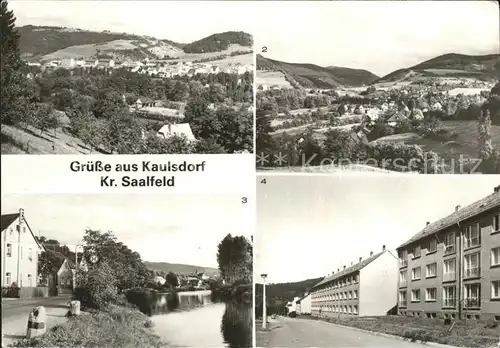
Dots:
pixel 367 288
pixel 451 269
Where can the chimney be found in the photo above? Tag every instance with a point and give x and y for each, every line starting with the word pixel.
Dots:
pixel 21 214
pixel 338 270
pixel 383 247
pixel 457 208
pixel 360 259
pixel 169 129
pixel 496 189
pixel 344 266
pixel 371 253
pixel 427 223
pixel 333 272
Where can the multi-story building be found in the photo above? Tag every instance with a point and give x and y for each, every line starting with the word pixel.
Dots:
pixel 451 269
pixel 367 288
pixel 20 250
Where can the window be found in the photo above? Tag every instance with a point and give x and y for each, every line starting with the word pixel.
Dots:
pixel 402 277
pixel 355 309
pixel 449 296
pixel 416 251
pixel 449 243
pixel 9 250
pixel 496 223
pixel 403 258
pixel 8 279
pixel 30 280
pixel 432 246
pixel 471 266
pixel 415 295
pixel 415 273
pixel 472 295
pixel 350 295
pixel 495 289
pixel 24 229
pixel 431 270
pixel 495 256
pixel 30 255
pixel 472 236
pixel 402 298
pixel 449 270
pixel 430 294
pixel 355 293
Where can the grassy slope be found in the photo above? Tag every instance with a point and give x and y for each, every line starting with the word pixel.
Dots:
pixel 219 42
pixel 16 140
pixel 313 76
pixel 450 64
pixel 180 268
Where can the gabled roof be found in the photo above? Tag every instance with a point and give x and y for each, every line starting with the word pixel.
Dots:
pixel 397 117
pixel 476 208
pixel 177 129
pixel 349 270
pixel 8 219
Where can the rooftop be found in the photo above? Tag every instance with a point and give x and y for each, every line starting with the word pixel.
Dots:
pixel 349 270
pixel 459 215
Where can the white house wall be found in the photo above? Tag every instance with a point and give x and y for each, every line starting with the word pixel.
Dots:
pixel 305 305
pixel 28 268
pixel 378 286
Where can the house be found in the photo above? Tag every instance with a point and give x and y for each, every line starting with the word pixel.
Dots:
pixel 451 268
pixel 106 62
pixel 291 306
pixel 68 63
pixel 194 281
pixel 66 275
pixel 160 280
pixel 144 102
pixel 179 129
pixel 304 304
pixel 367 288
pixel 20 251
pixel 396 118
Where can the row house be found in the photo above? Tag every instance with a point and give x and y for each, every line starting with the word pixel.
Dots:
pixel 367 288
pixel 451 269
pixel 20 251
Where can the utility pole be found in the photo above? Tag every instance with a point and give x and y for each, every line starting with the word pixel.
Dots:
pixel 19 227
pixel 264 305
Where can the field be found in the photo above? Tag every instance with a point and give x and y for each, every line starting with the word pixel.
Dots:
pixel 467 91
pixel 245 59
pixel 18 141
pixel 450 71
pixel 272 78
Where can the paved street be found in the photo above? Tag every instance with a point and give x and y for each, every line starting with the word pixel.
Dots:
pixel 15 314
pixel 293 332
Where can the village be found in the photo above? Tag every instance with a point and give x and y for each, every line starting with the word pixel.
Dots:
pixel 439 114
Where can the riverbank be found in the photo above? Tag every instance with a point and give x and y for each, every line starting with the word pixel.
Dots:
pixel 114 327
pixel 470 333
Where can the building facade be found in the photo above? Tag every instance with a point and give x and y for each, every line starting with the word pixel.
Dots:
pixel 367 288
pixel 304 304
pixel 20 252
pixel 451 269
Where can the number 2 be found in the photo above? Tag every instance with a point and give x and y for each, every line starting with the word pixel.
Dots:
pixel 264 49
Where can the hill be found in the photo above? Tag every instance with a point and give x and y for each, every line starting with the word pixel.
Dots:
pixel 449 65
pixel 314 76
pixel 219 42
pixel 287 290
pixel 180 268
pixel 49 43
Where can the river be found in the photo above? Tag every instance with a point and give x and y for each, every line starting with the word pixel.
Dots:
pixel 191 319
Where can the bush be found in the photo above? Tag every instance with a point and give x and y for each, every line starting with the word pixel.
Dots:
pixel 401 157
pixel 380 129
pixel 97 287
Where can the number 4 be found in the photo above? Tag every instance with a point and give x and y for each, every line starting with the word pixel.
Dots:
pixel 263 181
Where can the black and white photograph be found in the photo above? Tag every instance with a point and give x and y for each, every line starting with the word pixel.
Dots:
pixel 126 271
pixel 382 261
pixel 127 77
pixel 378 86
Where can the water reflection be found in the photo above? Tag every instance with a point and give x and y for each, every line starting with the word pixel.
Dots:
pixel 193 319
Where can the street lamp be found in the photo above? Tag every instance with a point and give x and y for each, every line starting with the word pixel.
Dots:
pixel 264 307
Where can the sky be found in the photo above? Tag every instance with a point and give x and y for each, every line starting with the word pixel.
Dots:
pixel 180 21
pixel 309 226
pixel 163 228
pixel 379 36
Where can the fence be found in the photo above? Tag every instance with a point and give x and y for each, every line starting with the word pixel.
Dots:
pixel 25 292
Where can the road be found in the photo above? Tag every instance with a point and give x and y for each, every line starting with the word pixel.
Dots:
pixel 15 314
pixel 294 332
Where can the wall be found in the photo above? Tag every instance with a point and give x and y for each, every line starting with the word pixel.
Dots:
pixel 305 305
pixel 27 266
pixel 25 292
pixel 378 286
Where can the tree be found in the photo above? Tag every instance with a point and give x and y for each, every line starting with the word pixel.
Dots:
pixel 233 256
pixel 126 265
pixel 172 280
pixel 10 64
pixel 484 130
pixel 97 287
